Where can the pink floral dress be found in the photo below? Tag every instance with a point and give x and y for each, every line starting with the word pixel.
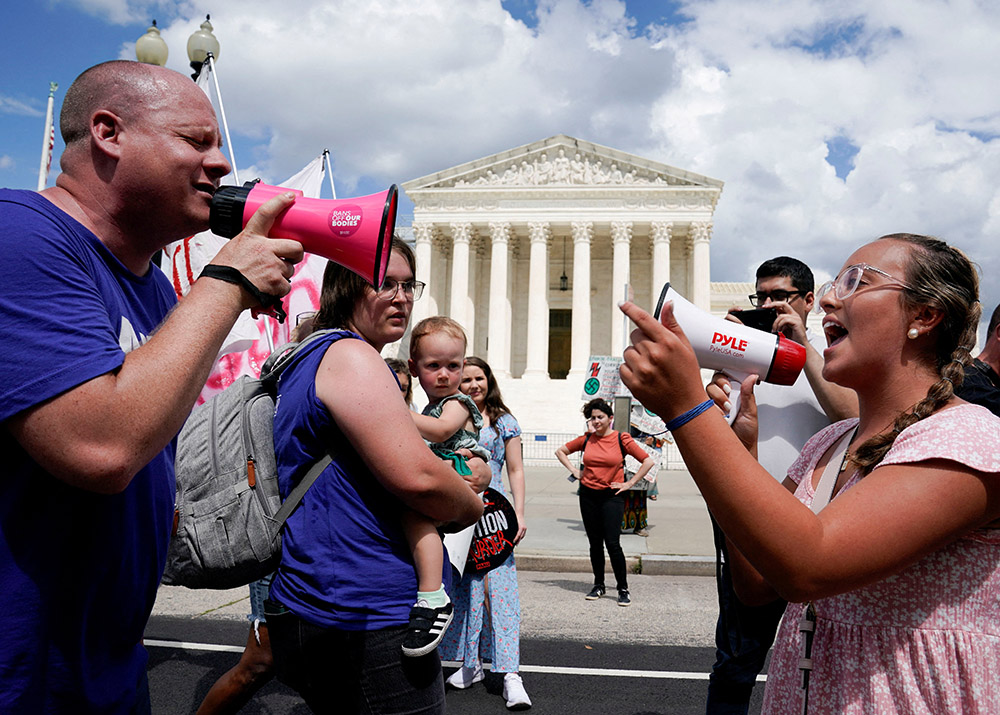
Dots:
pixel 926 640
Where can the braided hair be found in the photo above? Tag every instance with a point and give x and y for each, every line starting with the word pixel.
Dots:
pixel 943 277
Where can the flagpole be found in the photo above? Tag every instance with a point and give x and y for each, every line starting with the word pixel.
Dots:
pixel 329 171
pixel 210 60
pixel 48 140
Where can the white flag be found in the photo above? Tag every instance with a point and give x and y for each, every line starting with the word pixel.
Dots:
pixel 246 348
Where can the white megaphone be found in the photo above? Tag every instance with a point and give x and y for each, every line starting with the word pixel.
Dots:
pixel 734 349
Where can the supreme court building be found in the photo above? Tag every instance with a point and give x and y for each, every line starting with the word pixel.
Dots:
pixel 532 249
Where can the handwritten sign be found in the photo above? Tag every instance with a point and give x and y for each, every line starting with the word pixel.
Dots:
pixel 602 379
pixel 493 537
pixel 646 421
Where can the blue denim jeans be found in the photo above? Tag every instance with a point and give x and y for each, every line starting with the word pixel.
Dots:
pixel 361 672
pixel 743 636
pixel 259 591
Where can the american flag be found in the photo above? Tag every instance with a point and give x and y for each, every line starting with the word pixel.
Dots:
pixel 52 144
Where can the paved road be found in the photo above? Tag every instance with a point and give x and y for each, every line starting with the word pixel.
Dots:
pixel 577 656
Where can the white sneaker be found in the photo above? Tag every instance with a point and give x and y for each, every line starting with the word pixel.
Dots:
pixel 514 693
pixel 466 677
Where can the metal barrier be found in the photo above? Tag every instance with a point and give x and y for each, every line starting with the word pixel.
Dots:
pixel 538 449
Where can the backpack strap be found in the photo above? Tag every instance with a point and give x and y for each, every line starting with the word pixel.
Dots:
pixel 276 364
pixel 828 480
pixel 621 446
pixel 288 506
pixel 285 355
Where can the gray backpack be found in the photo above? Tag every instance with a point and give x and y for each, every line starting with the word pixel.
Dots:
pixel 229 514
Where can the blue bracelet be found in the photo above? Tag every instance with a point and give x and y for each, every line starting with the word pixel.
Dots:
pixel 682 420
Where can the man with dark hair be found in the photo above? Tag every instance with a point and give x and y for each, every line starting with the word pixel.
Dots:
pixel 101 371
pixel 787 416
pixel 982 378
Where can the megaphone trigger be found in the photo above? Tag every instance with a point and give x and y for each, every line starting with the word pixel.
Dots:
pixel 735 398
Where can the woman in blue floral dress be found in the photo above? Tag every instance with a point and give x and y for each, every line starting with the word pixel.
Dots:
pixel 487 610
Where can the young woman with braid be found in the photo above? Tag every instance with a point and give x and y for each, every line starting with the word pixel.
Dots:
pixel 899 575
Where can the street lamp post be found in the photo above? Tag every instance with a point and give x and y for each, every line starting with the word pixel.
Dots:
pixel 151 48
pixel 201 45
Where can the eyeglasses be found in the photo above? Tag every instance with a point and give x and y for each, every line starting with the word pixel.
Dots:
pixel 844 285
pixel 411 289
pixel 777 296
pixel 303 317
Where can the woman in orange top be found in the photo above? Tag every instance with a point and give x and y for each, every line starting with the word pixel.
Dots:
pixel 602 482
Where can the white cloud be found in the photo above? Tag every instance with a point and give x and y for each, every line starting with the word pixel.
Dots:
pixel 10 105
pixel 748 91
pixel 907 88
pixel 6 162
pixel 123 12
pixel 396 90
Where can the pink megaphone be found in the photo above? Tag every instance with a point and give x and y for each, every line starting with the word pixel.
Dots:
pixel 356 233
pixel 735 349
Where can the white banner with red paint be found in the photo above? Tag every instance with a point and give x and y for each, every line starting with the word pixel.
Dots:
pixel 246 348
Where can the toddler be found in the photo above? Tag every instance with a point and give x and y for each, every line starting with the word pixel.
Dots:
pixel 450 422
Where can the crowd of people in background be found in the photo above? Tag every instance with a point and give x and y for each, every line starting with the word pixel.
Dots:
pixel 856 513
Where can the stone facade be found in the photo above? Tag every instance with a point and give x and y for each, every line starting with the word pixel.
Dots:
pixel 531 250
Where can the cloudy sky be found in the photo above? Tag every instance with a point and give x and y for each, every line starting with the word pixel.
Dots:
pixel 829 122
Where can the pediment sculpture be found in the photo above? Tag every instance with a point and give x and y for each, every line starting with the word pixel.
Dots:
pixel 564 171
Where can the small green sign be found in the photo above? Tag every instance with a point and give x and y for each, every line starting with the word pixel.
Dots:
pixel 592 386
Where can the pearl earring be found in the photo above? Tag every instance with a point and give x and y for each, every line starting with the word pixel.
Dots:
pixel 912 333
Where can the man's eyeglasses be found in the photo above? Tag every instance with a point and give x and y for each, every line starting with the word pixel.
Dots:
pixel 758 299
pixel 844 285
pixel 411 289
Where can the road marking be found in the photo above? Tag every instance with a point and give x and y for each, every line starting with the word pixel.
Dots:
pixel 183 645
pixel 614 672
pixel 608 672
pixel 551 669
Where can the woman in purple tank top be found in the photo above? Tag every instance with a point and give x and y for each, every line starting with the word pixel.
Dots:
pixel 339 605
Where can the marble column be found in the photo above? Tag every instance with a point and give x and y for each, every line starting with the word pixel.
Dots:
pixel 660 231
pixel 498 348
pixel 583 233
pixel 461 235
pixel 701 289
pixel 537 352
pixel 621 241
pixel 423 234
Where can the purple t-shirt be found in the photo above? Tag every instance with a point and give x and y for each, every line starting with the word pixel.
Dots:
pixel 345 562
pixel 78 570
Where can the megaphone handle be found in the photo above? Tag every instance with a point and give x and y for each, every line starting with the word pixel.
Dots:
pixel 734 398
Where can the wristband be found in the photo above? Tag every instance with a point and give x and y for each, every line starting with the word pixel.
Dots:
pixel 682 420
pixel 232 275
